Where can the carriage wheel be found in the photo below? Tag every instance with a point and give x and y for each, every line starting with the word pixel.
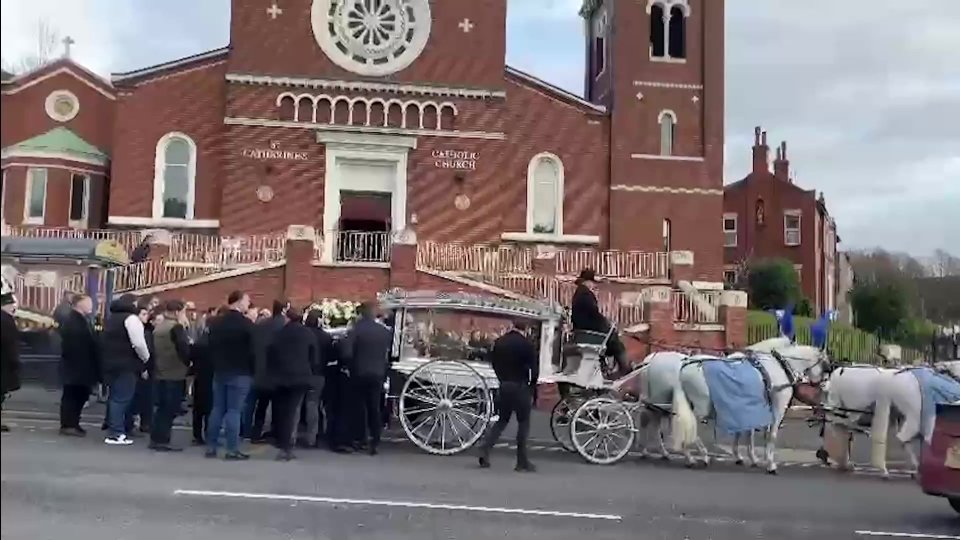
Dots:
pixel 602 431
pixel 560 418
pixel 445 406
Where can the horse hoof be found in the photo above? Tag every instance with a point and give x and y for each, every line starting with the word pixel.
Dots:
pixel 754 465
pixel 738 462
pixel 772 472
pixel 664 458
pixel 689 465
pixel 823 456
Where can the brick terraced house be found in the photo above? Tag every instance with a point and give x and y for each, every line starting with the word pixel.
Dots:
pixel 340 147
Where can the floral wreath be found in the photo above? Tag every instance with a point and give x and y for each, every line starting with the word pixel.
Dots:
pixel 335 312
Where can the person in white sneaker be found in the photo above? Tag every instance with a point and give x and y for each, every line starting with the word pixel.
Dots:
pixel 125 355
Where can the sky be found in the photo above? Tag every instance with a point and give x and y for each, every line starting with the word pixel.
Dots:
pixel 865 92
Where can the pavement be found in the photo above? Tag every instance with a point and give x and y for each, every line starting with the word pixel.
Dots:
pixel 54 488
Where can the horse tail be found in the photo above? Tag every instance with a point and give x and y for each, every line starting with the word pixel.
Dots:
pixel 683 426
pixel 881 424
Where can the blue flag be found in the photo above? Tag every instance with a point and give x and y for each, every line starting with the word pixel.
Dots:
pixel 820 330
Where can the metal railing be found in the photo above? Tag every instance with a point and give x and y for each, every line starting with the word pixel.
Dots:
pixel 361 246
pixel 474 258
pixel 615 264
pixel 702 307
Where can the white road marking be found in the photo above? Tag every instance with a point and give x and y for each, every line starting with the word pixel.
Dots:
pixel 400 504
pixel 907 535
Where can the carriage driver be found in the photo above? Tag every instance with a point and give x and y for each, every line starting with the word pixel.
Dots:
pixel 585 316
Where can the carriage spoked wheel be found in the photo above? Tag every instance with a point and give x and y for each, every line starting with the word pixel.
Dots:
pixel 602 431
pixel 560 419
pixel 445 406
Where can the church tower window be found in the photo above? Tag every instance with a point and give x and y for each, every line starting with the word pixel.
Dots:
pixel 668 132
pixel 668 29
pixel 175 177
pixel 545 194
pixel 599 60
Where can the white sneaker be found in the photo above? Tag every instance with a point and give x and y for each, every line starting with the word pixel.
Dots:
pixel 119 440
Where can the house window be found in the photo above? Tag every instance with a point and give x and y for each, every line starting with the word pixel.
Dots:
pixel 668 132
pixel 79 199
pixel 729 230
pixel 175 177
pixel 791 227
pixel 668 29
pixel 36 202
pixel 730 277
pixel 545 194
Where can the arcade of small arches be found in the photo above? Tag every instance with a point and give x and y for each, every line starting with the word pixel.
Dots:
pixel 368 112
pixel 668 29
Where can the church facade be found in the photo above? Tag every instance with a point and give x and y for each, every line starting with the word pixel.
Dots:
pixel 375 117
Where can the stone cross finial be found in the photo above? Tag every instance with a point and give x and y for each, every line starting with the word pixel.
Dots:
pixel 67 42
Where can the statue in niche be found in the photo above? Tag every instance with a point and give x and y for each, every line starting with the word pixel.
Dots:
pixel 760 212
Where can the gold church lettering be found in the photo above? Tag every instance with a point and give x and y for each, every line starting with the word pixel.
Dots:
pixel 463 160
pixel 264 154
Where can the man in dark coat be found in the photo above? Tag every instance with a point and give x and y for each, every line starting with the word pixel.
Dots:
pixel 124 361
pixel 325 354
pixel 171 353
pixel 292 359
pixel 9 348
pixel 366 353
pixel 516 363
pixel 585 316
pixel 260 399
pixel 79 364
pixel 232 348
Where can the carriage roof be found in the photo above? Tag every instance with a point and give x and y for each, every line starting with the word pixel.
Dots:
pixel 472 303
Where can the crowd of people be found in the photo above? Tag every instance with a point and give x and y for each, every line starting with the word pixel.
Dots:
pixel 241 363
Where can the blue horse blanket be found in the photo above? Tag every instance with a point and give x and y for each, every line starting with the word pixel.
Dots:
pixel 935 388
pixel 738 394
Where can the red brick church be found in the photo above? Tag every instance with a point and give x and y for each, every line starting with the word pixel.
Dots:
pixel 365 122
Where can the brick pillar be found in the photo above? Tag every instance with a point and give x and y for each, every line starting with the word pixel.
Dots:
pixel 159 241
pixel 658 310
pixel 403 260
pixel 298 271
pixel 733 315
pixel 681 266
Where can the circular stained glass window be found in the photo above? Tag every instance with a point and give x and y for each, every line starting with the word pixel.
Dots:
pixel 62 105
pixel 371 37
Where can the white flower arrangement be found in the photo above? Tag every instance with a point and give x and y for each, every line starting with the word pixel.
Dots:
pixel 335 312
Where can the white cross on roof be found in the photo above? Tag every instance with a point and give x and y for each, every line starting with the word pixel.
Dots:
pixel 67 42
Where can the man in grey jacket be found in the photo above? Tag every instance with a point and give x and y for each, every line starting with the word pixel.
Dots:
pixel 366 352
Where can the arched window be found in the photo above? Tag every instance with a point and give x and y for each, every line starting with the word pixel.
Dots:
pixel 668 29
pixel 668 132
pixel 545 194
pixel 667 236
pixel 174 183
pixel 657 28
pixel 678 33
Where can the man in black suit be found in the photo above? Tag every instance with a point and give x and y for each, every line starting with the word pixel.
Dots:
pixel 517 365
pixel 366 352
pixel 293 358
pixel 585 315
pixel 79 364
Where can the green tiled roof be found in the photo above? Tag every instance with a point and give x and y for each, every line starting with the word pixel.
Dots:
pixel 58 140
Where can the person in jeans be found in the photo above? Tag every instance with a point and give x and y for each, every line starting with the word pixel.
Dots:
pixel 325 354
pixel 366 352
pixel 292 360
pixel 171 346
pixel 232 349
pixel 125 356
pixel 516 363
pixel 79 364
pixel 201 365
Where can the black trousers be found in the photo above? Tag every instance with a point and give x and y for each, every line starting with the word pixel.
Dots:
pixel 286 414
pixel 264 399
pixel 513 399
pixel 169 397
pixel 335 407
pixel 367 408
pixel 74 397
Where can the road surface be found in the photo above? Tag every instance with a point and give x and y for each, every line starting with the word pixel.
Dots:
pixel 79 489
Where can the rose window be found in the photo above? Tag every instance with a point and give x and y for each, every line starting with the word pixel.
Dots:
pixel 372 37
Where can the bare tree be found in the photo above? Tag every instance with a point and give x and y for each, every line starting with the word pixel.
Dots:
pixel 945 264
pixel 47 43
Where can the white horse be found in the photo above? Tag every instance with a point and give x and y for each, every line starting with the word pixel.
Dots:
pixel 902 391
pixel 950 367
pixel 658 376
pixel 796 364
pixel 849 396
